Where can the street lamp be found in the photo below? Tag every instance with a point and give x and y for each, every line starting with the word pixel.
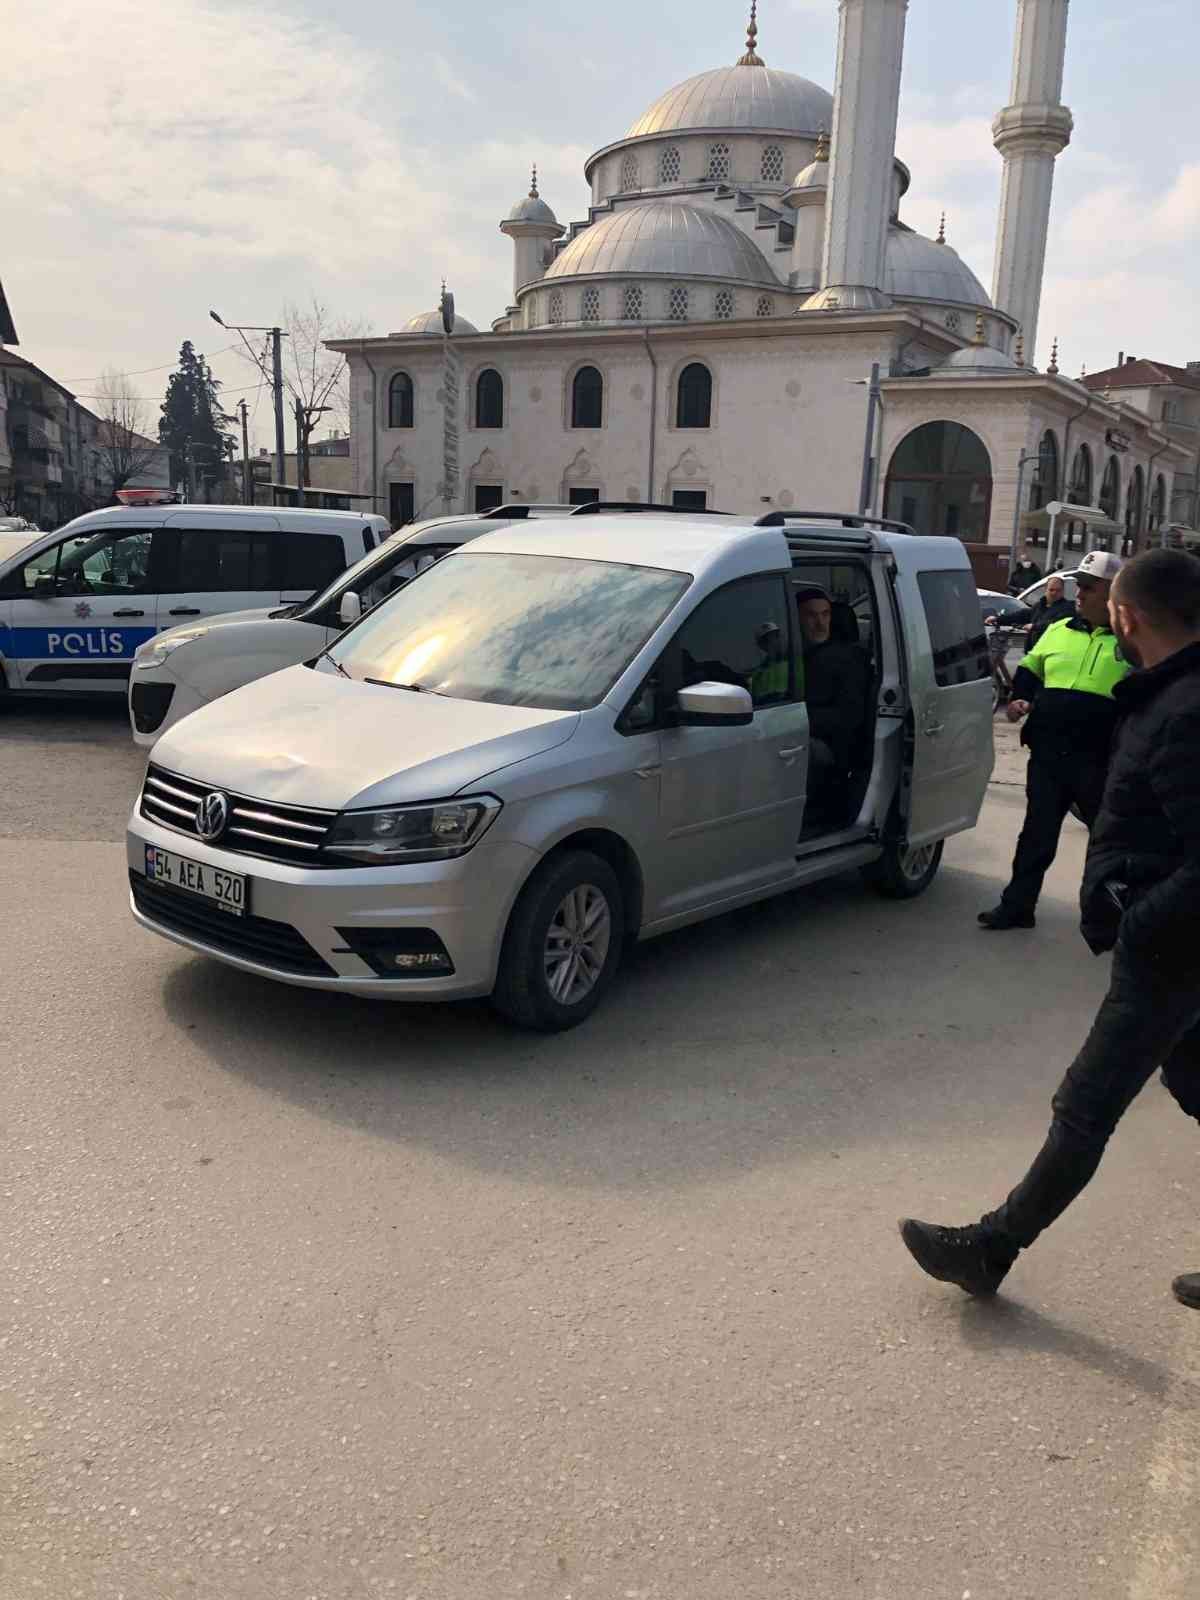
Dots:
pixel 1023 461
pixel 277 335
pixel 866 492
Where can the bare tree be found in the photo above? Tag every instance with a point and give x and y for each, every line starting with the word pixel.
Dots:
pixel 314 377
pixel 121 447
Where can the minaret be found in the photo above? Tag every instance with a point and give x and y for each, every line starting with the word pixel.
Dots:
pixel 530 225
pixel 866 102
pixel 1030 134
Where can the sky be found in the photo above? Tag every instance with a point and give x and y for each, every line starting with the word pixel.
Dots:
pixel 167 156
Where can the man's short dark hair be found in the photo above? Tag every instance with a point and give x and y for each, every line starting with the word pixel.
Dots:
pixel 1165 584
pixel 811 592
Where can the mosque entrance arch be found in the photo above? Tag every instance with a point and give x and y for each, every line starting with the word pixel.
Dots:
pixel 940 481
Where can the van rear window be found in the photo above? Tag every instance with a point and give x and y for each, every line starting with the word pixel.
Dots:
pixel 311 560
pixel 956 631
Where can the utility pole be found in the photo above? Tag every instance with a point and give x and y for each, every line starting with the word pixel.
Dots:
pixel 277 381
pixel 301 423
pixel 867 488
pixel 247 481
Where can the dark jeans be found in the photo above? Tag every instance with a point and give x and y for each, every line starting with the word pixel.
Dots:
pixel 1053 784
pixel 1147 1019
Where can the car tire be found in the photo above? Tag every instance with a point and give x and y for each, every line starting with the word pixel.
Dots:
pixel 573 904
pixel 902 873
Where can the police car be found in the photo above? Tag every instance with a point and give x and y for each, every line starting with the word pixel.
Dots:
pixel 76 604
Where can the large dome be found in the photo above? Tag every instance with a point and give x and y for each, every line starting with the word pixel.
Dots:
pixel 740 97
pixel 922 269
pixel 661 236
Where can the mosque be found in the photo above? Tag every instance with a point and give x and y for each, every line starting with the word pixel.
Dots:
pixel 707 335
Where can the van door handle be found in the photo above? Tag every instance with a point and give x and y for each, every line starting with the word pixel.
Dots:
pixel 931 726
pixel 129 613
pixel 791 754
pixel 184 611
pixel 648 772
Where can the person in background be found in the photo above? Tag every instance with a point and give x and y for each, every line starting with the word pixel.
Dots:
pixel 1141 900
pixel 1065 687
pixel 1052 607
pixel 1023 574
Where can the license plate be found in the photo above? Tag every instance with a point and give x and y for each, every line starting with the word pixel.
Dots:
pixel 227 890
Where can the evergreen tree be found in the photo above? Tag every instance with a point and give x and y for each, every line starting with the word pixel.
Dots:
pixel 192 421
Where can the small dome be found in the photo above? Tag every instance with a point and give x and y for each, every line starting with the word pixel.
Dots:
pixel 739 97
pixel 922 269
pixel 532 208
pixel 980 359
pixel 431 322
pixel 814 176
pixel 662 236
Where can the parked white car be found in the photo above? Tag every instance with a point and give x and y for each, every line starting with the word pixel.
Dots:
pixel 76 604
pixel 186 667
pixel 561 739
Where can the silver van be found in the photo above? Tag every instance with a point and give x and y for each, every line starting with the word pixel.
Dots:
pixel 566 737
pixel 76 604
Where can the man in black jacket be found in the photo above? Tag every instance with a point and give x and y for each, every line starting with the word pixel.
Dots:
pixel 1052 607
pixel 1023 574
pixel 1140 899
pixel 836 675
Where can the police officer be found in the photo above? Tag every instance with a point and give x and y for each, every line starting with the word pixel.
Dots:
pixel 1065 688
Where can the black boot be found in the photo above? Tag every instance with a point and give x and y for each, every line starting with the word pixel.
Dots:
pixel 1186 1290
pixel 999 919
pixel 953 1255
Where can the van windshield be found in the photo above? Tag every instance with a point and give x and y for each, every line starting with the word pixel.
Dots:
pixel 517 630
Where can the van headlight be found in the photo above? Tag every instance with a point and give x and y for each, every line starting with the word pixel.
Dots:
pixel 155 651
pixel 437 832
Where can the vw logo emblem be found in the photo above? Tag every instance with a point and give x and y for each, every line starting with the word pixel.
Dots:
pixel 212 814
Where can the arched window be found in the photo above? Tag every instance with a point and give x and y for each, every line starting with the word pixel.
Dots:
pixel 1158 504
pixel 723 305
pixel 489 399
pixel 400 401
pixel 718 163
pixel 772 164
pixel 1045 484
pixel 587 398
pixel 940 481
pixel 556 308
pixel 694 401
pixel 677 303
pixel 1110 489
pixel 764 306
pixel 1135 505
pixel 669 166
pixel 1080 489
pixel 630 172
pixel 631 302
pixel 589 306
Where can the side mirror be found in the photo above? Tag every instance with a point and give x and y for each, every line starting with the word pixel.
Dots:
pixel 45 587
pixel 714 705
pixel 349 608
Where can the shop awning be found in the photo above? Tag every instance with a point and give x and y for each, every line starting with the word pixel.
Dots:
pixel 1096 519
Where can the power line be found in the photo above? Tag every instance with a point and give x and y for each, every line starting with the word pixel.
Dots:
pixel 142 371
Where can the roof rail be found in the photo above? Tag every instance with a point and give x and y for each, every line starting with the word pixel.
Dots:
pixel 519 510
pixel 592 507
pixel 846 519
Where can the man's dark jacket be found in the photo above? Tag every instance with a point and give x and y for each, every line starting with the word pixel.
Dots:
pixel 835 689
pixel 1147 834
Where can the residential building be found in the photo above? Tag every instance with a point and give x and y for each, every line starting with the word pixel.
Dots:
pixel 1170 396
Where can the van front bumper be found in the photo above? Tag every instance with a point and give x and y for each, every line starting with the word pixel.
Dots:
pixel 300 922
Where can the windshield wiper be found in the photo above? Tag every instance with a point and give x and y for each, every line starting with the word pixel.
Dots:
pixel 413 688
pixel 336 665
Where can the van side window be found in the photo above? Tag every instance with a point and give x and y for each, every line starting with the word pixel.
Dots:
pixel 216 561
pixel 311 560
pixel 741 635
pixel 960 650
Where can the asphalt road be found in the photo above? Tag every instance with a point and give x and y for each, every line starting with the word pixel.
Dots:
pixel 306 1298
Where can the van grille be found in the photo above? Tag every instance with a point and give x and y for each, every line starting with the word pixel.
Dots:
pixel 270 944
pixel 272 832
